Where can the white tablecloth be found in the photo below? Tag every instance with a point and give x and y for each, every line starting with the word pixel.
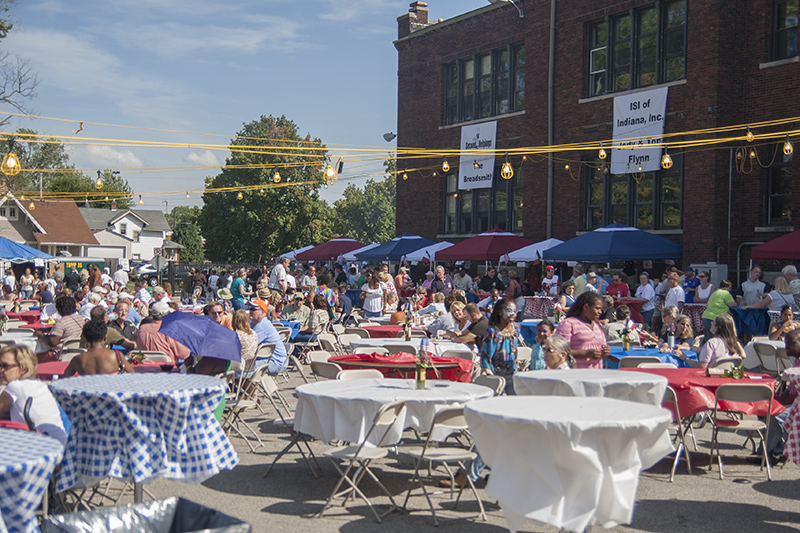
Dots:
pixel 619 384
pixel 582 461
pixel 344 410
pixel 142 426
pixel 440 346
pixel 27 460
pixel 24 338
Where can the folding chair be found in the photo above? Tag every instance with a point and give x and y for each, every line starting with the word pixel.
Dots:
pixel 397 348
pixel 154 356
pixel 451 418
pixel 727 363
pixel 271 392
pixel 767 358
pixel 524 354
pixel 318 356
pixel 70 354
pixel 469 356
pixel 328 343
pixel 359 458
pixel 325 370
pixel 633 361
pixel 367 324
pixel 233 418
pixel 656 365
pixel 741 392
pixel 371 350
pixel 364 334
pixel 496 383
pixel 346 339
pixel 338 329
pixel 414 333
pixel 359 373
pixel 677 423
pixel 71 343
pixel 25 305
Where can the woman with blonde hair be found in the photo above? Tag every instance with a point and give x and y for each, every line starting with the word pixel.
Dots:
pixel 777 298
pixel 722 345
pixel 240 323
pixel 18 374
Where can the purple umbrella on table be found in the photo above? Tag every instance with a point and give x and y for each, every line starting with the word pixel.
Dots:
pixel 202 335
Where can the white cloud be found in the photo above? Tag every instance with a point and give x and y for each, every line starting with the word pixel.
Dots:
pixel 104 157
pixel 342 11
pixel 205 158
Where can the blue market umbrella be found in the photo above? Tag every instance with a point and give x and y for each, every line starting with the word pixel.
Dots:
pixel 395 249
pixel 616 242
pixel 19 253
pixel 202 335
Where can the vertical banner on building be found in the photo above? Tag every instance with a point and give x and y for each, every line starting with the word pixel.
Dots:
pixel 476 170
pixel 638 122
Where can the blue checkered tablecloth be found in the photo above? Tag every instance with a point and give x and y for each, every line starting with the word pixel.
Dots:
pixel 142 426
pixel 27 460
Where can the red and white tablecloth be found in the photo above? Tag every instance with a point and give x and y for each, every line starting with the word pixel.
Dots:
pixel 792 423
pixel 539 306
pixel 695 314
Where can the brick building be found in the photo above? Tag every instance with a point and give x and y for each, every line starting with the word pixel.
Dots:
pixel 724 63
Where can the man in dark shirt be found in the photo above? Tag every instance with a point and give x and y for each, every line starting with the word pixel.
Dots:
pixel 199 280
pixel 121 323
pixel 341 277
pixel 476 330
pixel 344 306
pixel 490 281
pixel 186 284
pixel 442 282
pixel 73 280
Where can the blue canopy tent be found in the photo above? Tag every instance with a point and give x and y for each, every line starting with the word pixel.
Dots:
pixel 395 249
pixel 616 242
pixel 20 253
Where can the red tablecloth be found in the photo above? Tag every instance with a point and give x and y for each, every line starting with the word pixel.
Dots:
pixel 46 371
pixel 29 316
pixel 539 306
pixel 403 364
pixel 36 326
pixel 695 314
pixel 635 307
pixel 408 293
pixel 695 391
pixel 384 332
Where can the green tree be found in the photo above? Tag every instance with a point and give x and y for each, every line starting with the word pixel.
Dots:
pixel 114 185
pixel 185 231
pixel 368 214
pixel 45 162
pixel 264 224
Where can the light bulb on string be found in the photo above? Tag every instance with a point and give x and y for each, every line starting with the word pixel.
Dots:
pixel 405 176
pixel 666 160
pixel 566 167
pixel 330 174
pixel 752 153
pixel 276 177
pixel 31 206
pixel 141 202
pixel 106 198
pixel 240 195
pixel 445 165
pixel 187 194
pixel 10 165
pixel 434 174
pixel 506 172
pixel 22 197
pixel 750 135
pixel 324 185
pixel 261 190
pixel 787 146
pixel 98 183
pixel 602 153
pixel 475 164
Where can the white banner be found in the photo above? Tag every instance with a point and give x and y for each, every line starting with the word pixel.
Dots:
pixel 476 171
pixel 638 115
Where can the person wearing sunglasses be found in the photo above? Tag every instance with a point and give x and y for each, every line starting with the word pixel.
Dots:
pixel 705 289
pixel 557 354
pixel 18 375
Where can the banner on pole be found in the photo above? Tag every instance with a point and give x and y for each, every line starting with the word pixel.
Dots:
pixel 641 116
pixel 476 170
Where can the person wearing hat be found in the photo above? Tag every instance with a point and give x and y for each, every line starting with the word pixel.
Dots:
pixel 224 294
pixel 148 337
pixel 591 279
pixel 550 283
pixel 296 311
pixel 428 280
pixel 159 293
pixel 267 334
pixel 462 280
pixel 402 280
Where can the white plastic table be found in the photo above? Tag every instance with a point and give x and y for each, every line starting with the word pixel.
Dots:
pixel 440 346
pixel 142 426
pixel 27 461
pixel 583 460
pixel 344 410
pixel 620 384
pixel 26 338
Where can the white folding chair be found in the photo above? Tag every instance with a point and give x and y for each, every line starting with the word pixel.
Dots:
pixel 325 370
pixel 496 383
pixel 364 334
pixel 656 365
pixel 153 355
pixel 633 361
pixel 359 373
pixel 524 354
pixel 767 358
pixel 727 363
pixel 414 333
pixel 346 339
pixel 359 458
pixel 741 392
pixel 371 350
pixel 71 343
pixel 397 348
pixel 452 419
pixel 328 343
pixel 318 356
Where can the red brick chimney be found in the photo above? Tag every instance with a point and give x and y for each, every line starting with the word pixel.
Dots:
pixel 415 19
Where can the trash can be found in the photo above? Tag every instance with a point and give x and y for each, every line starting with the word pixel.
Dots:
pixel 172 515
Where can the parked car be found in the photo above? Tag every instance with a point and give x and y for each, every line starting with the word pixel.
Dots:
pixel 147 272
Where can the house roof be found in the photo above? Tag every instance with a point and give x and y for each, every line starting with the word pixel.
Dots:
pixel 99 219
pixel 61 222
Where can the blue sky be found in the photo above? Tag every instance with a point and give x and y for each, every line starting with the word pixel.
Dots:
pixel 208 66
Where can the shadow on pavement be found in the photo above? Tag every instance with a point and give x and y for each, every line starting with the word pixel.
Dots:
pixel 711 516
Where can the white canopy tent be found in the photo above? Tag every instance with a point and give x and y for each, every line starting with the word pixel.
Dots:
pixel 428 251
pixel 292 255
pixel 534 251
pixel 351 256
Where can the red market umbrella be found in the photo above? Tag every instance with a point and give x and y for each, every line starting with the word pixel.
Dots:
pixel 489 246
pixel 785 247
pixel 331 250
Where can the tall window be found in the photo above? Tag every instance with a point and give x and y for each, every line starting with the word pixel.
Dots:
pixel 652 200
pixel 638 48
pixel 784 29
pixel 479 210
pixel 123 229
pixel 779 188
pixel 485 85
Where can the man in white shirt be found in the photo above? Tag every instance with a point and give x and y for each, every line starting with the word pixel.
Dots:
pixel 309 281
pixel 675 295
pixel 750 290
pixel 790 273
pixel 550 282
pixel 463 281
pixel 121 277
pixel 591 279
pixel 277 278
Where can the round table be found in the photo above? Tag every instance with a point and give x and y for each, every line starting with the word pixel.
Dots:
pixel 26 464
pixel 344 410
pixel 440 346
pixel 634 387
pixel 142 426
pixel 585 463
pixel 26 338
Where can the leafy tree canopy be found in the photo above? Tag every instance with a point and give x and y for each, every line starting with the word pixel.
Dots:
pixel 113 184
pixel 264 224
pixel 368 214
pixel 185 231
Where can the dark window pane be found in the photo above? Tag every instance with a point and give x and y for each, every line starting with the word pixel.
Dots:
pixel 672 216
pixel 676 14
pixel 671 188
pixel 466 202
pixel 595 217
pixel 619 213
pixel 596 194
pixel 644 191
pixel 644 216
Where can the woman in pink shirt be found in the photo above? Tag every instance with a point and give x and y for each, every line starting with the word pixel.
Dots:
pixel 585 335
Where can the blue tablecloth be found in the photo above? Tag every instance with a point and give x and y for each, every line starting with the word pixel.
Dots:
pixel 27 461
pixel 472 298
pixel 294 325
pixel 355 297
pixel 751 321
pixel 667 357
pixel 142 426
pixel 528 330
